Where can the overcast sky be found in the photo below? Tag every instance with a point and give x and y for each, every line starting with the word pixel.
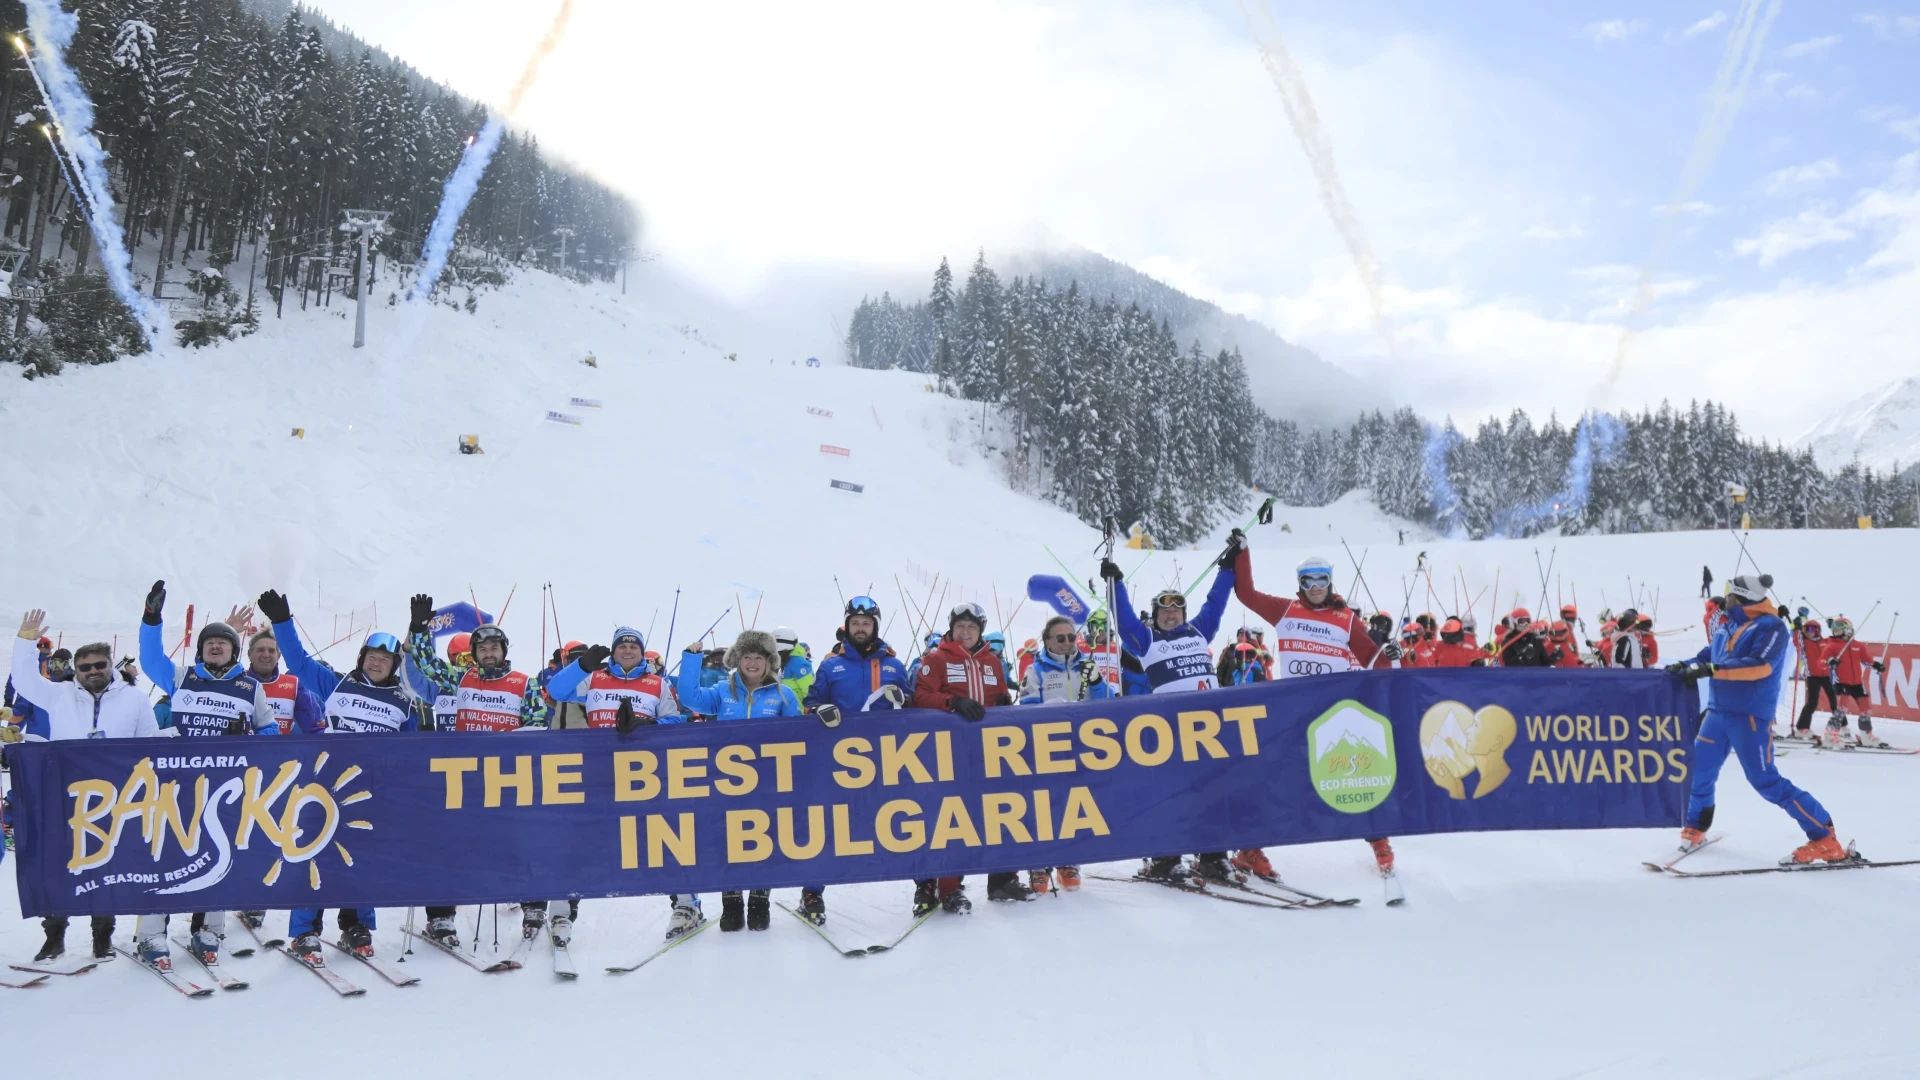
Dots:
pixel 1508 162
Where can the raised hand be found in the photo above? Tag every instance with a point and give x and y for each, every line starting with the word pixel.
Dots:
pixel 33 624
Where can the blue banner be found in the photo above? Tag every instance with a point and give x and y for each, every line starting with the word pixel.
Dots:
pixel 1053 590
pixel 460 618
pixel 136 826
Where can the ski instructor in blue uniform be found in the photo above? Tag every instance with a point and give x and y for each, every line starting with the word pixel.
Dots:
pixel 1746 662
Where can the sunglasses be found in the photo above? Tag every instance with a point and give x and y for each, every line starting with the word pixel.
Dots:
pixel 100 665
pixel 1061 637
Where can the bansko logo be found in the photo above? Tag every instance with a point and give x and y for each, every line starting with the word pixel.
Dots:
pixel 1458 741
pixel 1350 757
pixel 102 810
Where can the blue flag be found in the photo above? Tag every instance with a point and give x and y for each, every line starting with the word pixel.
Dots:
pixel 460 618
pixel 1054 590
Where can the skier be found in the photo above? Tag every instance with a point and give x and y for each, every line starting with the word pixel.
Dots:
pixel 1454 649
pixel 1315 633
pixel 93 705
pixel 368 699
pixel 216 696
pixel 1813 653
pixel 1175 657
pixel 488 696
pixel 1523 646
pixel 1061 672
pixel 752 691
pixel 964 677
pixel 1849 660
pixel 1624 647
pixel 1240 665
pixel 1706 582
pixel 1745 660
pixel 1649 644
pixel 460 655
pixel 1561 648
pixel 294 706
pixel 796 662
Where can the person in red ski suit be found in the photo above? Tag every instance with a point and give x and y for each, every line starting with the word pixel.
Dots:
pixel 1455 650
pixel 1811 641
pixel 1849 661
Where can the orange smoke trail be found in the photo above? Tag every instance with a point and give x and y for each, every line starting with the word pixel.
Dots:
pixel 547 44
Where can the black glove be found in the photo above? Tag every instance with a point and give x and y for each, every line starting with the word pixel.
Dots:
pixel 156 599
pixel 1691 670
pixel 626 720
pixel 422 614
pixel 1799 621
pixel 1878 666
pixel 1236 543
pixel 1110 571
pixel 594 658
pixel 274 606
pixel 1391 650
pixel 969 709
pixel 829 715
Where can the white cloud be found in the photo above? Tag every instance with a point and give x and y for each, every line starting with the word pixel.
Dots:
pixel 1613 30
pixel 1808 229
pixel 1549 232
pixel 1706 26
pixel 1690 208
pixel 1795 179
pixel 1895 204
pixel 1819 46
pixel 1895 120
pixel 1887 28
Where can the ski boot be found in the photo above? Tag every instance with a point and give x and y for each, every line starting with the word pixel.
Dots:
pixel 206 947
pixel 1825 849
pixel 358 940
pixel 733 913
pixel 1254 861
pixel 925 897
pixel 103 943
pixel 758 910
pixel 254 919
pixel 1040 881
pixel 1214 867
pixel 1383 854
pixel 306 949
pixel 686 916
pixel 1837 734
pixel 153 952
pixel 1008 889
pixel 813 907
pixel 532 921
pixel 560 931
pixel 55 946
pixel 1067 877
pixel 441 931
pixel 1692 838
pixel 1867 737
pixel 1167 869
pixel 955 901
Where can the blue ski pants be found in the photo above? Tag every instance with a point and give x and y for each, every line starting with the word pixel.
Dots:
pixel 1751 738
pixel 308 920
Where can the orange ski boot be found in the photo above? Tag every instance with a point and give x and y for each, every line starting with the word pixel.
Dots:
pixel 1067 877
pixel 1826 849
pixel 1383 854
pixel 1254 861
pixel 1039 881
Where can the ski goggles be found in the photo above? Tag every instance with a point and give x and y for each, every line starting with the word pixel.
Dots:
pixel 383 642
pixel 863 605
pixel 486 633
pixel 968 610
pixel 1170 599
pixel 1316 581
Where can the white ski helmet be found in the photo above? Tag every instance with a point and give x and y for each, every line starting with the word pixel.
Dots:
pixel 1315 565
pixel 785 638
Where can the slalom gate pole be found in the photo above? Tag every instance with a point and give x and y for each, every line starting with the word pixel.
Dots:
pixel 743 610
pixel 904 606
pixel 509 603
pixel 543 617
pixel 928 611
pixel 670 621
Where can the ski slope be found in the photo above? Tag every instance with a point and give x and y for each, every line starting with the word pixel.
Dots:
pixel 1549 954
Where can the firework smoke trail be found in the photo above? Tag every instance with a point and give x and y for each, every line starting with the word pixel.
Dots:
pixel 1744 44
pixel 53 31
pixel 465 180
pixel 1446 504
pixel 1305 121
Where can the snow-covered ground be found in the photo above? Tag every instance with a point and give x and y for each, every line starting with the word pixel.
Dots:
pixel 1530 955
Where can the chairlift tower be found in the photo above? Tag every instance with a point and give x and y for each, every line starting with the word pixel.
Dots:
pixel 367 223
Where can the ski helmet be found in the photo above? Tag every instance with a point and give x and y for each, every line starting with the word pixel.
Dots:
pixel 1168 598
pixel 1627 619
pixel 380 642
pixel 933 642
pixel 488 632
pixel 1452 632
pixel 1410 632
pixel 997 641
pixel 1520 617
pixel 862 605
pixel 1425 620
pixel 1840 626
pixel 458 644
pixel 1314 567
pixel 216 630
pixel 1749 588
pixel 1812 628
pixel 627 633
pixel 1559 631
pixel 967 610
pixel 1569 613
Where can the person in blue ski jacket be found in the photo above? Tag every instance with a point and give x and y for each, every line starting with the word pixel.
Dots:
pixel 863 673
pixel 215 696
pixel 370 699
pixel 1174 652
pixel 1060 671
pixel 1746 662
pixel 751 691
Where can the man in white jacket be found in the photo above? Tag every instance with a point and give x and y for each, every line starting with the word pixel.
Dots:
pixel 97 704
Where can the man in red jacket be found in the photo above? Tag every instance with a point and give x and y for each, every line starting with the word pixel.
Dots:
pixel 1455 650
pixel 1561 647
pixel 1849 662
pixel 962 675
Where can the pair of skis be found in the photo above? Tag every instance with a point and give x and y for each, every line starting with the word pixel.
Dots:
pixel 1853 861
pixel 860 950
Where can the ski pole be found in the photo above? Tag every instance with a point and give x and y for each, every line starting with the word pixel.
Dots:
pixel 1551 556
pixel 839 590
pixel 1357 567
pixel 554 603
pixel 1361 578
pixel 509 603
pixel 743 610
pixel 670 620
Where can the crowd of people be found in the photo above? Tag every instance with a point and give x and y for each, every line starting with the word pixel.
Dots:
pixel 272 683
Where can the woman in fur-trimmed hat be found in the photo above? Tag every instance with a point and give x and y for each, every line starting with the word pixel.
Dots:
pixel 752 689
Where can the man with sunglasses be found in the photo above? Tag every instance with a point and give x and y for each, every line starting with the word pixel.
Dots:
pixel 1061 672
pixel 94 705
pixel 963 676
pixel 1314 633
pixel 295 708
pixel 370 699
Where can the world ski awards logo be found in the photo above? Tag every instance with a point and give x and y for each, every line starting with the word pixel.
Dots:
pixel 1350 754
pixel 1458 741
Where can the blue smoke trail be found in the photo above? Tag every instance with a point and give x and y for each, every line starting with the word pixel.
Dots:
pixel 453 203
pixel 53 31
pixel 1446 504
pixel 1596 439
